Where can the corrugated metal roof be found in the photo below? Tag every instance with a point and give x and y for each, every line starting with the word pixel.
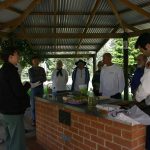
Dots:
pixel 73 25
pixel 22 5
pixel 7 15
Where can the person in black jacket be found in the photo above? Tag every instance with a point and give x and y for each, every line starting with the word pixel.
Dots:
pixel 37 76
pixel 96 79
pixel 13 100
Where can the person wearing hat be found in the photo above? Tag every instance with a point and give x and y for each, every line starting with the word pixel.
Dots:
pixel 14 100
pixel 37 76
pixel 80 75
pixel 59 78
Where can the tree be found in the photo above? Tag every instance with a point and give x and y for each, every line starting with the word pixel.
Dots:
pixel 117 52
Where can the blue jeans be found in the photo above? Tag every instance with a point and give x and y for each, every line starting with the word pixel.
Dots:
pixel 38 91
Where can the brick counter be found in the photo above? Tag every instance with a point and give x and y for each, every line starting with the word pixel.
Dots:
pixel 86 132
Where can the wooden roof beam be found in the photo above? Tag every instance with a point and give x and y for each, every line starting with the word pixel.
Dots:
pixel 112 6
pixel 132 28
pixel 106 40
pixel 122 23
pixel 135 8
pixel 15 10
pixel 128 10
pixel 70 56
pixel 96 5
pixel 69 26
pixel 137 33
pixel 14 23
pixel 63 44
pixel 7 3
pixel 141 22
pixel 69 35
pixel 60 50
pixel 71 13
pixel 78 35
pixel 88 13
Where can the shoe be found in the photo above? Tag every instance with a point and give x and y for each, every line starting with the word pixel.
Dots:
pixel 1 141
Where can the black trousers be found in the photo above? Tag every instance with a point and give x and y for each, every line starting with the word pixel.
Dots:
pixel 116 96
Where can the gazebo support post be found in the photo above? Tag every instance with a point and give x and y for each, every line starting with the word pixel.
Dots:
pixel 125 64
pixel 94 63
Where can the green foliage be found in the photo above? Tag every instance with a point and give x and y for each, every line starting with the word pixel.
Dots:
pixel 132 53
pixel 68 64
pixel 26 52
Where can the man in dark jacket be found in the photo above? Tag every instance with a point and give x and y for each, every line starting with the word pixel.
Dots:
pixel 13 100
pixel 96 79
pixel 37 76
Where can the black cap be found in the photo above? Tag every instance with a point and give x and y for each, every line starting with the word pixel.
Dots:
pixel 80 61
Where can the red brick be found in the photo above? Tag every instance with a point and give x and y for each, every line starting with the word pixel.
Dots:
pixel 78 125
pixel 84 121
pixel 74 117
pixel 97 125
pixel 90 130
pixel 68 133
pixel 105 121
pixel 127 134
pixel 112 146
pixel 76 148
pixel 90 143
pixel 78 138
pixel 122 141
pixel 113 130
pixel 141 147
pixel 122 126
pixel 97 139
pixel 84 134
pixel 105 135
pixel 124 148
pixel 74 130
pixel 102 148
pixel 141 140
pixel 138 133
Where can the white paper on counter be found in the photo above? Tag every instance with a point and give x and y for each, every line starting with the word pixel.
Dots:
pixel 33 85
pixel 138 115
pixel 108 107
pixel 125 118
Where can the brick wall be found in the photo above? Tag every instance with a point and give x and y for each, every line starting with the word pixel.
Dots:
pixel 85 133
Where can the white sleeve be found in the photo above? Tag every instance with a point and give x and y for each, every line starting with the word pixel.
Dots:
pixel 121 81
pixel 100 87
pixel 66 76
pixel 144 89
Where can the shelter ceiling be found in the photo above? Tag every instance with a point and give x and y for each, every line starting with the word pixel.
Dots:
pixel 73 26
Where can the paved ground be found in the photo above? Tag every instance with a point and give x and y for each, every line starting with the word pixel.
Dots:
pixel 28 126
